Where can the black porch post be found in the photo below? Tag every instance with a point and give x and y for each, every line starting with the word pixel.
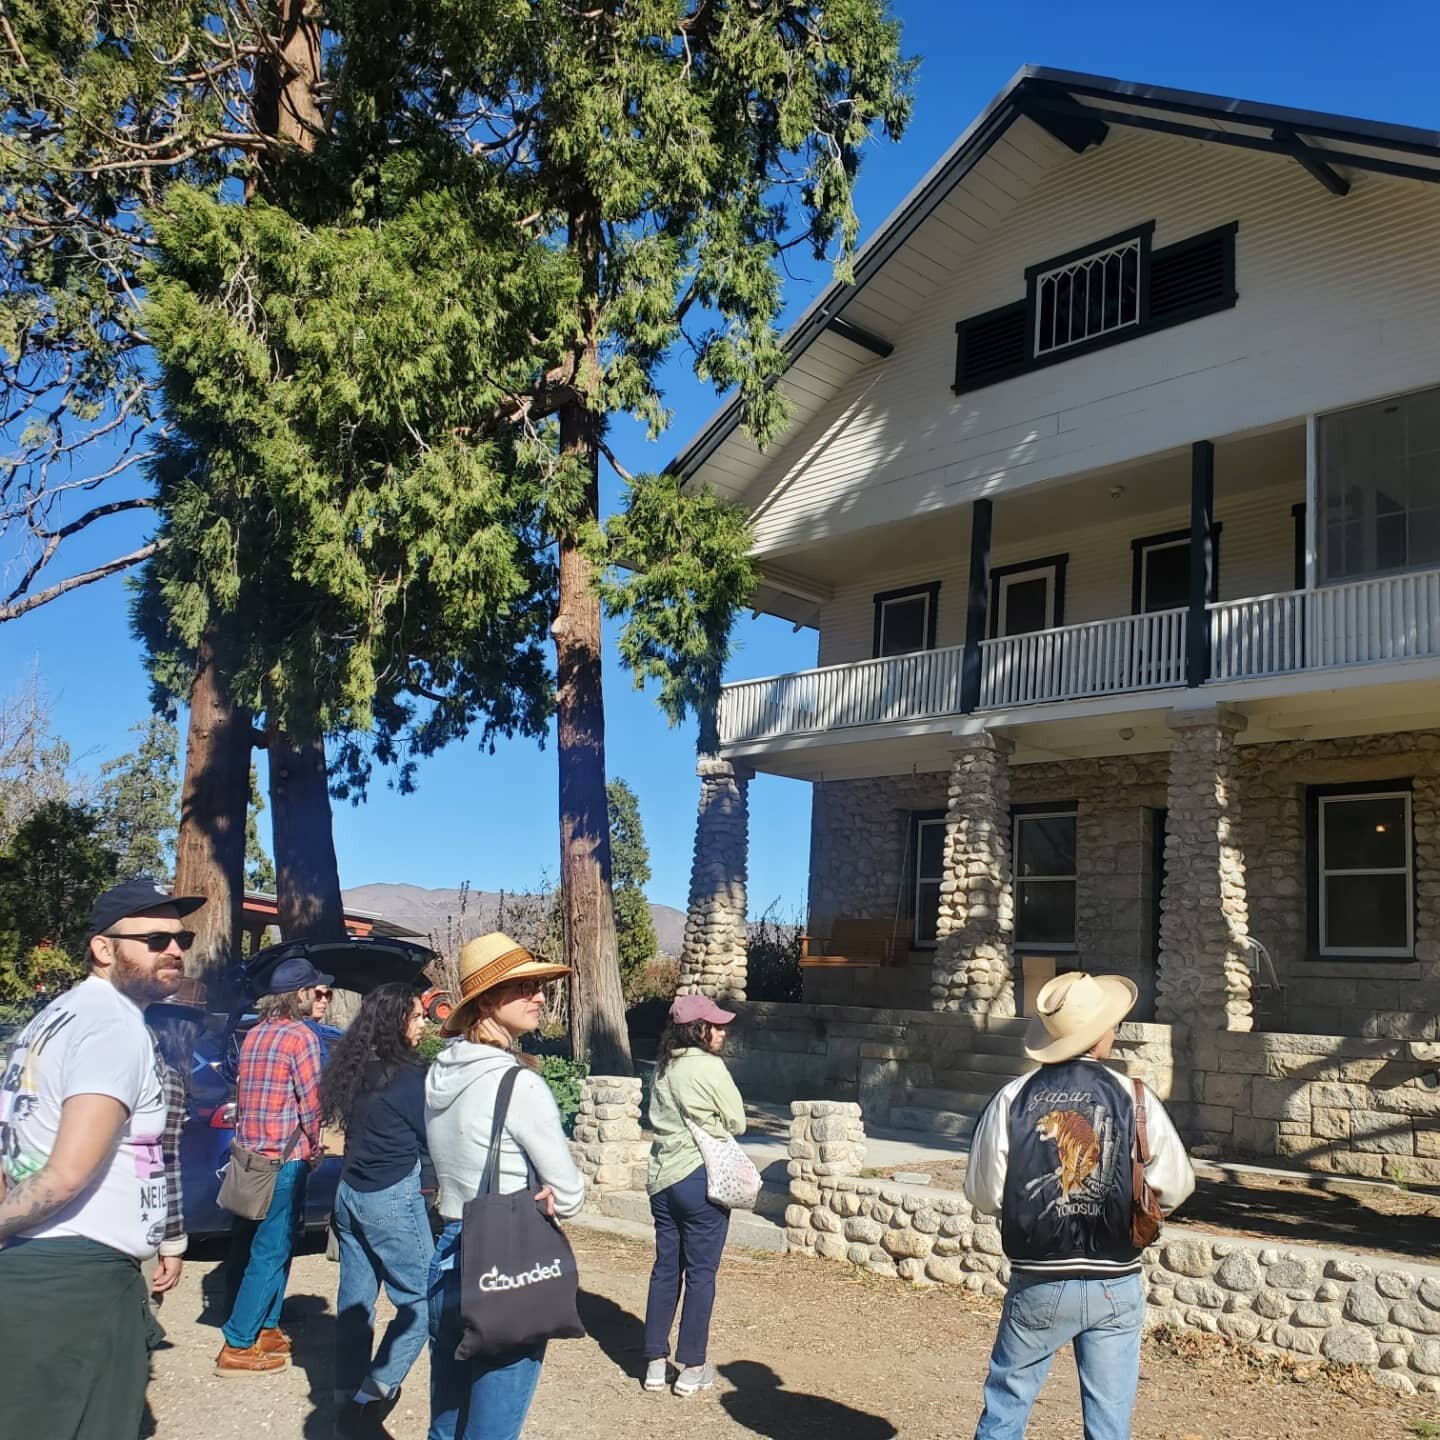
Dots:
pixel 975 610
pixel 1202 561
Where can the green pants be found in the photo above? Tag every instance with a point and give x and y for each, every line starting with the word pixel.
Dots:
pixel 74 1331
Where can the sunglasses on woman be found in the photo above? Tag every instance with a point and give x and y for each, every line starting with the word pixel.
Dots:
pixel 323 993
pixel 157 942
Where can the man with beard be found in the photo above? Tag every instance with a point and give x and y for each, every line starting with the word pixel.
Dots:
pixel 82 1118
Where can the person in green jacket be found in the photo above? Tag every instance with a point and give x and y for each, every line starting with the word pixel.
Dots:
pixel 691 1083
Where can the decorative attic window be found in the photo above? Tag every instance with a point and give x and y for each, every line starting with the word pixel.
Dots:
pixel 1103 294
pixel 1082 297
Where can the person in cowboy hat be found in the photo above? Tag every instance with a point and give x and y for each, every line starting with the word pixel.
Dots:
pixel 1052 1157
pixel 500 997
pixel 82 1114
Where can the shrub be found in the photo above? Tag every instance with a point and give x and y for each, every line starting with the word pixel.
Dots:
pixel 432 1042
pixel 772 953
pixel 565 1078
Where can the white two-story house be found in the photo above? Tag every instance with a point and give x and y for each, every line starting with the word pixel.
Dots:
pixel 1113 488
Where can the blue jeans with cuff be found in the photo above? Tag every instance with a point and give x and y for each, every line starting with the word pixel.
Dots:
pixel 690 1235
pixel 384 1238
pixel 267 1272
pixel 1101 1317
pixel 484 1398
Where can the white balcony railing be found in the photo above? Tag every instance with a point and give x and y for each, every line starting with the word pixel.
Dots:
pixel 1260 636
pixel 1393 617
pixel 900 687
pixel 1103 657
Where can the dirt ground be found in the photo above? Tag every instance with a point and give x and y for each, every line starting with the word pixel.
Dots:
pixel 804 1349
pixel 1363 1219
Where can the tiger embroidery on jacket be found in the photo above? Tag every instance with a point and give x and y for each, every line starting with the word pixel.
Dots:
pixel 1076 1145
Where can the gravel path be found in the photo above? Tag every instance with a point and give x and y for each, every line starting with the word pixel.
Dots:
pixel 806 1351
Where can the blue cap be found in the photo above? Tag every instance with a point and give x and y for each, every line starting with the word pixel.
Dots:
pixel 295 974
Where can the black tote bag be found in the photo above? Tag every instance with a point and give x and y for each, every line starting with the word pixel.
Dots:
pixel 518 1279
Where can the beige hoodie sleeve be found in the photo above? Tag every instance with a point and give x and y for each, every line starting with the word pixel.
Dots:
pixel 534 1124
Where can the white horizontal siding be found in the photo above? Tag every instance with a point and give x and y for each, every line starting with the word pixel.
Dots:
pixel 1256 558
pixel 1339 302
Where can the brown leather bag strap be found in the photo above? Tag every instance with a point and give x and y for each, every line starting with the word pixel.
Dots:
pixel 1142 1135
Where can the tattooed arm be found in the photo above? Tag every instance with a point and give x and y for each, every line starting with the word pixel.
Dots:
pixel 90 1127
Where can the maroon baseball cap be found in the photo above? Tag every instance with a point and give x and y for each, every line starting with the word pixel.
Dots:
pixel 687 1009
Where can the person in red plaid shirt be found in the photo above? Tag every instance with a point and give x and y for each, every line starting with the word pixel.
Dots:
pixel 278 1100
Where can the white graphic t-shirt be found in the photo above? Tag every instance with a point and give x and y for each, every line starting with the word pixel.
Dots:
pixel 90 1041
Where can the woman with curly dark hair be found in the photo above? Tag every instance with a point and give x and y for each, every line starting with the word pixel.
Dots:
pixel 374 1088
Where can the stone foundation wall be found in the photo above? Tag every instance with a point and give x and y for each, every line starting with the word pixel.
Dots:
pixel 1302 1303
pixel 1319 1102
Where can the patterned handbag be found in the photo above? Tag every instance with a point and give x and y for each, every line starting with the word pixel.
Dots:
pixel 1146 1219
pixel 731 1179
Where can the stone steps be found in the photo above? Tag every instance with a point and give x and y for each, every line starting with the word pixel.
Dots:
pixel 760 1229
pixel 1002 1063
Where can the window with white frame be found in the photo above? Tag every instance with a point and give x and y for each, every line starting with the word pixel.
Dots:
pixel 929 872
pixel 1378 477
pixel 1082 297
pixel 1027 597
pixel 1044 867
pixel 905 620
pixel 1363 872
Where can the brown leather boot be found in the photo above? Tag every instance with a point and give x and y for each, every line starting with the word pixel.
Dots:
pixel 273 1341
pixel 253 1361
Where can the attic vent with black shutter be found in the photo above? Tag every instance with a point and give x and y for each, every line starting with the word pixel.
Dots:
pixel 1193 277
pixel 990 347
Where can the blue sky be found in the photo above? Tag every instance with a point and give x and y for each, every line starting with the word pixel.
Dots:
pixel 492 819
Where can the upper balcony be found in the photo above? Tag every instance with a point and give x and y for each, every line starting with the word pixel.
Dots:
pixel 1042 628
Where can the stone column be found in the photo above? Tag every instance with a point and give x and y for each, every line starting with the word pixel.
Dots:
pixel 713 959
pixel 972 970
pixel 609 1147
pixel 1204 919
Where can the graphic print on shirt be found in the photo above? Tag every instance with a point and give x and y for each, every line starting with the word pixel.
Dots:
pixel 1085 1153
pixel 20 1094
pixel 150 1171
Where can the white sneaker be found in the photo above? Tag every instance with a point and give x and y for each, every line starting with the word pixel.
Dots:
pixel 656 1373
pixel 693 1378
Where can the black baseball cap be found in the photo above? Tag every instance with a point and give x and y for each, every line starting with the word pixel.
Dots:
pixel 135 897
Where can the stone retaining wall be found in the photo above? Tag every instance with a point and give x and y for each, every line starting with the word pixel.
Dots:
pixel 1374 1313
pixel 609 1146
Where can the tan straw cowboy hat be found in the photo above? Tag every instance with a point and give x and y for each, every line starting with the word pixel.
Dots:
pixel 1073 1012
pixel 488 961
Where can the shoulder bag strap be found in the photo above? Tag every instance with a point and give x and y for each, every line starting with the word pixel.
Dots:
pixel 491 1178
pixel 292 1142
pixel 1142 1134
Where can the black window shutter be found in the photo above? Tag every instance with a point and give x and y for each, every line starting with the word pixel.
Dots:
pixel 1194 277
pixel 990 347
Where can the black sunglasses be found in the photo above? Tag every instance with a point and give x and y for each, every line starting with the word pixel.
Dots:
pixel 157 942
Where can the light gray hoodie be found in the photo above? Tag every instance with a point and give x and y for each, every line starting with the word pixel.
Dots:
pixel 459 1110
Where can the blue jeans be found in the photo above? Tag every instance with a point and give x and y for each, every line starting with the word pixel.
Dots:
pixel 267 1272
pixel 384 1236
pixel 484 1398
pixel 689 1237
pixel 1102 1317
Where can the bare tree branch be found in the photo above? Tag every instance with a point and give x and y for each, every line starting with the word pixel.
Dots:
pixel 111 567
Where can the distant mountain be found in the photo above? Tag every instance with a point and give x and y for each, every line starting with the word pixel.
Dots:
pixel 434 912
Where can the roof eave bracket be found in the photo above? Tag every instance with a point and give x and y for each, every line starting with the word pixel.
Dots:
pixel 858 335
pixel 1077 132
pixel 1306 158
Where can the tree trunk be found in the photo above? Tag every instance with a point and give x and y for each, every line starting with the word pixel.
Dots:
pixel 597 1006
pixel 210 848
pixel 285 103
pixel 307 879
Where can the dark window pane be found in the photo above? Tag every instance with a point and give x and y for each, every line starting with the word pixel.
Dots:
pixel 1045 913
pixel 1167 578
pixel 903 625
pixel 927 911
pixel 1047 846
pixel 1365 912
pixel 1027 604
pixel 1365 834
pixel 931 848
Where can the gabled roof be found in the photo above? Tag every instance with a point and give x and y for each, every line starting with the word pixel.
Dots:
pixel 1077 111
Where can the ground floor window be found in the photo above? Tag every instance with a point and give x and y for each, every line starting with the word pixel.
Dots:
pixel 1044 867
pixel 929 872
pixel 1362 871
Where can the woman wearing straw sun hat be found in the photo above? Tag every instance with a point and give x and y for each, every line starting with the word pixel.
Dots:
pixel 1052 1157
pixel 500 997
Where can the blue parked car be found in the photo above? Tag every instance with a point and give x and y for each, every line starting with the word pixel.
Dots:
pixel 358 965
